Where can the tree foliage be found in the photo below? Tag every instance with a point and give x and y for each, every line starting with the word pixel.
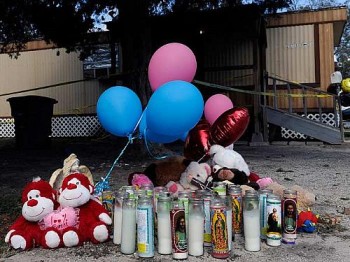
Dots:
pixel 65 23
pixel 62 22
pixel 342 52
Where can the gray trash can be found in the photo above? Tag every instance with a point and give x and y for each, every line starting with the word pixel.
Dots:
pixel 32 116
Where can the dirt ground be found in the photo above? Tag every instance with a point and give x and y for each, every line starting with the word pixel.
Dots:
pixel 319 168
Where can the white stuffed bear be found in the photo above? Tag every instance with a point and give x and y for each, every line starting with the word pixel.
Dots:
pixel 195 175
pixel 224 157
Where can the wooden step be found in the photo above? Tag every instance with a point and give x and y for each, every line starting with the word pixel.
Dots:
pixel 304 125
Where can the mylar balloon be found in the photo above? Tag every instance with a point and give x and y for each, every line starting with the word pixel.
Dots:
pixel 215 106
pixel 230 126
pixel 173 61
pixel 119 110
pixel 197 142
pixel 174 108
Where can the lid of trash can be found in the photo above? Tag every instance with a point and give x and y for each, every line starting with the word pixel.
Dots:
pixel 31 99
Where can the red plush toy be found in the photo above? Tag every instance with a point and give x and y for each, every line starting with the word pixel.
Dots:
pixel 307 221
pixel 76 192
pixel 39 200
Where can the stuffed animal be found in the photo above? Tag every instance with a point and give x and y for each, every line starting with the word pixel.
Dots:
pixel 305 198
pixel 196 176
pixel 165 170
pixel 229 165
pixel 39 201
pixel 228 158
pixel 76 192
pixel 307 221
pixel 70 165
pixel 139 180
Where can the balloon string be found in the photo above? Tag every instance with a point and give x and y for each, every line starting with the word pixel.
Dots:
pixel 148 149
pixel 199 160
pixel 104 184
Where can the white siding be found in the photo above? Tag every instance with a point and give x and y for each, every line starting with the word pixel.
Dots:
pixel 290 53
pixel 41 68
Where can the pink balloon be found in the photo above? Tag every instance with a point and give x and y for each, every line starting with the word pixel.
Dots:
pixel 173 61
pixel 215 106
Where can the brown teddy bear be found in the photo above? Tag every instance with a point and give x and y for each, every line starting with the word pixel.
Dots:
pixel 163 171
pixel 305 198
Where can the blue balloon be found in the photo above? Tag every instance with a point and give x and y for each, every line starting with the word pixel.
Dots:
pixel 174 108
pixel 184 136
pixel 119 110
pixel 157 138
pixel 151 136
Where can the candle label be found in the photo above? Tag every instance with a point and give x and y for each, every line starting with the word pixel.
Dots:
pixel 290 217
pixel 237 214
pixel 145 237
pixel 108 201
pixel 178 230
pixel 207 223
pixel 274 227
pixel 185 202
pixel 219 234
pixel 220 188
pixel 263 213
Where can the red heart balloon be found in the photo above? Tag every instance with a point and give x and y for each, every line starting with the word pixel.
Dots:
pixel 197 141
pixel 229 126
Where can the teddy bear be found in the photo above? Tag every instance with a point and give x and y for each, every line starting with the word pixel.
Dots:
pixel 229 165
pixel 305 198
pixel 165 170
pixel 196 176
pixel 38 202
pixel 70 165
pixel 77 192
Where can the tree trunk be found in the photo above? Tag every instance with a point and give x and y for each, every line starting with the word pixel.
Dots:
pixel 135 46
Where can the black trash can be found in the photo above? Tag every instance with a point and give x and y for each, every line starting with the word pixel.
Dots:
pixel 32 116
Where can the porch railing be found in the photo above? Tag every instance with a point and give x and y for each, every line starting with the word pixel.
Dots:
pixel 277 90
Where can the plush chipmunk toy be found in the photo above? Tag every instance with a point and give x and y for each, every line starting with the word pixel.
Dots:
pixel 77 192
pixel 39 200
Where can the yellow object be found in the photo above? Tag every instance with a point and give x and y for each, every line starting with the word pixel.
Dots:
pixel 345 85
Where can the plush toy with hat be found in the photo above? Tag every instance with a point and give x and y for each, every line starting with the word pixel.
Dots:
pixel 77 192
pixel 196 176
pixel 229 165
pixel 70 165
pixel 38 201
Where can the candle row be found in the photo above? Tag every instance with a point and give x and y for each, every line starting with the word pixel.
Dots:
pixel 148 219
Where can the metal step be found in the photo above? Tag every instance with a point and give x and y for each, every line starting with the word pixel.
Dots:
pixel 304 125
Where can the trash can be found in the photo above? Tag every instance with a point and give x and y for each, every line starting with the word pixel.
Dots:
pixel 32 116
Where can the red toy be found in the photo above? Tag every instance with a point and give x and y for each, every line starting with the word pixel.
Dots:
pixel 307 221
pixel 39 200
pixel 76 192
